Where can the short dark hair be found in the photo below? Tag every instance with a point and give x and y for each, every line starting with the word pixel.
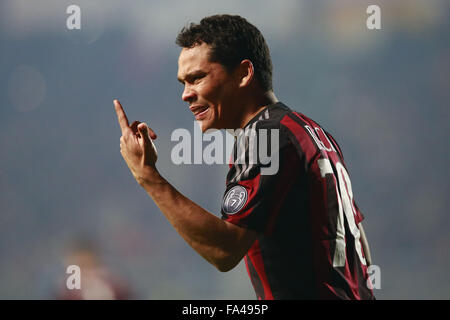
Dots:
pixel 232 39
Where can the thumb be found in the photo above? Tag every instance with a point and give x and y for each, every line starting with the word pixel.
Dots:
pixel 145 142
pixel 147 134
pixel 146 131
pixel 142 128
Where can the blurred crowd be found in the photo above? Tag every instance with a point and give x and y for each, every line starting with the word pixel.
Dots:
pixel 383 94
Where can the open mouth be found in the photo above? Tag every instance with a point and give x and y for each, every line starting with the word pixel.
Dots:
pixel 200 112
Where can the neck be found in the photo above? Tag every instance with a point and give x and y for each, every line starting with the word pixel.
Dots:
pixel 256 104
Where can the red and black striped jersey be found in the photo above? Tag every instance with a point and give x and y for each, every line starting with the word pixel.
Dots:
pixel 288 181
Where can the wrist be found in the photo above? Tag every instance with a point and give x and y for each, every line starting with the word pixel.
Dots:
pixel 149 176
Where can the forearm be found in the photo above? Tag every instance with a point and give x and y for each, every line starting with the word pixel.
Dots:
pixel 218 241
pixel 210 236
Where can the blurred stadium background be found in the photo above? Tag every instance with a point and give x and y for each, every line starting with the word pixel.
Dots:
pixel 384 95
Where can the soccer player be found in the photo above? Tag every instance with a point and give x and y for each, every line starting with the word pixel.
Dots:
pixel 298 228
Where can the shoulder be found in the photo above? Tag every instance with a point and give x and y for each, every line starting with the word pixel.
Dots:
pixel 270 120
pixel 289 123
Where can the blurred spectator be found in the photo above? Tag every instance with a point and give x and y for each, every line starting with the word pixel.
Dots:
pixel 98 282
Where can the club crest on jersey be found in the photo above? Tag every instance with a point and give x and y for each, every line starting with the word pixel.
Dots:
pixel 234 199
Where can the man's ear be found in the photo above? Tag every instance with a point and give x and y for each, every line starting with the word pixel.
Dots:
pixel 246 73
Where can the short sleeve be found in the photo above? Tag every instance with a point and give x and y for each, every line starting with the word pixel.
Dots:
pixel 256 192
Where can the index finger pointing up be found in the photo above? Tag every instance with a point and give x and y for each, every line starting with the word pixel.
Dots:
pixel 121 116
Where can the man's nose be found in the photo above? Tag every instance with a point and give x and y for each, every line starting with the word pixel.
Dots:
pixel 188 94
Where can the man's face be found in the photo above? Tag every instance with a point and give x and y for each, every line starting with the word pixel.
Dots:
pixel 208 88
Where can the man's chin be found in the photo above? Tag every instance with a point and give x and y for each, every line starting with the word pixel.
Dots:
pixel 202 125
pixel 206 125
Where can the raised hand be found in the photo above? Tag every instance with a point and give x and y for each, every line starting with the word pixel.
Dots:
pixel 136 145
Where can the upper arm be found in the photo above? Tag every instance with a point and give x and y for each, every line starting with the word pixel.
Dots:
pixel 253 197
pixel 254 202
pixel 241 239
